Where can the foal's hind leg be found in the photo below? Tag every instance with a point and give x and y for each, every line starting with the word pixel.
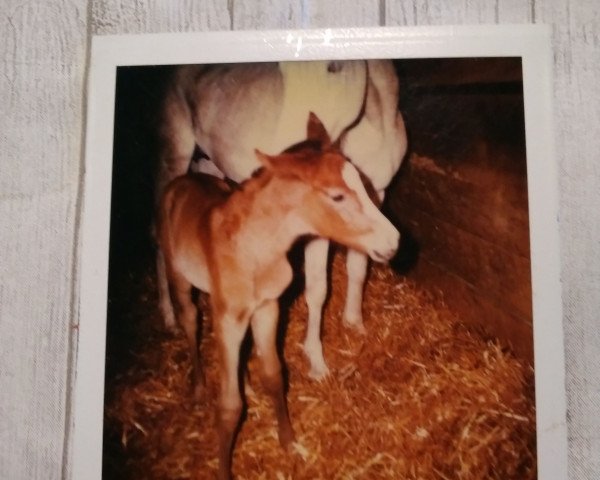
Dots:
pixel 264 332
pixel 230 329
pixel 187 313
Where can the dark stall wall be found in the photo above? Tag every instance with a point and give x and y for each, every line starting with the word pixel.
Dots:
pixel 462 193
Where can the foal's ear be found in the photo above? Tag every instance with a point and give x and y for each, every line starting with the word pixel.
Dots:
pixel 315 131
pixel 264 159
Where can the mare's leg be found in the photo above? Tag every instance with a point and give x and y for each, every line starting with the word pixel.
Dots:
pixel 356 267
pixel 315 270
pixel 177 148
pixel 264 331
pixel 178 140
pixel 230 333
pixel 187 315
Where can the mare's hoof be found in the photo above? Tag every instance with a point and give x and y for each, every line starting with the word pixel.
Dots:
pixel 319 372
pixel 318 367
pixel 357 325
pixel 249 392
pixel 171 327
pixel 168 316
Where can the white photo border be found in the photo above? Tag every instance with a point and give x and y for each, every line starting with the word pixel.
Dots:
pixel 530 42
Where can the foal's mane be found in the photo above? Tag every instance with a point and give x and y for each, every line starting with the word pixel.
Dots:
pixel 310 147
pixel 307 151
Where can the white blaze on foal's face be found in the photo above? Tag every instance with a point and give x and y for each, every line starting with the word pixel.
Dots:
pixel 382 240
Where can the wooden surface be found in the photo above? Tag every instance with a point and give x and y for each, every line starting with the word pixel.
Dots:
pixel 43 64
pixel 473 242
pixel 462 192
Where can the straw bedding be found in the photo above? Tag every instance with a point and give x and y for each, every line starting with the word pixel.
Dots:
pixel 419 397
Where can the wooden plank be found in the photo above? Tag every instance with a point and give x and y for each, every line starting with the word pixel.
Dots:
pixel 467 72
pixel 35 329
pixel 499 275
pixel 441 12
pixel 115 16
pixel 42 58
pixel 491 205
pixel 39 57
pixel 269 14
pixel 470 220
pixel 345 13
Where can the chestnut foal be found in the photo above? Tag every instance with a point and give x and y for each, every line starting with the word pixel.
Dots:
pixel 233 245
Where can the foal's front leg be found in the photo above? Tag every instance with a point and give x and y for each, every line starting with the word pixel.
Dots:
pixel 264 332
pixel 180 290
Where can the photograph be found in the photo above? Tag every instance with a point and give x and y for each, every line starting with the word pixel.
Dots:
pixel 428 374
pixel 318 268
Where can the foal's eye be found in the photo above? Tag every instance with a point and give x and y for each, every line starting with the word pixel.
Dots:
pixel 338 197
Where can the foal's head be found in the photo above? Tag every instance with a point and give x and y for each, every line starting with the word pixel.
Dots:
pixel 334 203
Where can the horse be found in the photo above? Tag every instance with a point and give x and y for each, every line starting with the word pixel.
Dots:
pixel 233 245
pixel 228 110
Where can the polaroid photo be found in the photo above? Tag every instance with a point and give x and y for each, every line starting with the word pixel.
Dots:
pixel 321 254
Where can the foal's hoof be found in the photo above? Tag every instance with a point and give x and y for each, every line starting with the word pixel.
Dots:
pixel 287 438
pixel 199 393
